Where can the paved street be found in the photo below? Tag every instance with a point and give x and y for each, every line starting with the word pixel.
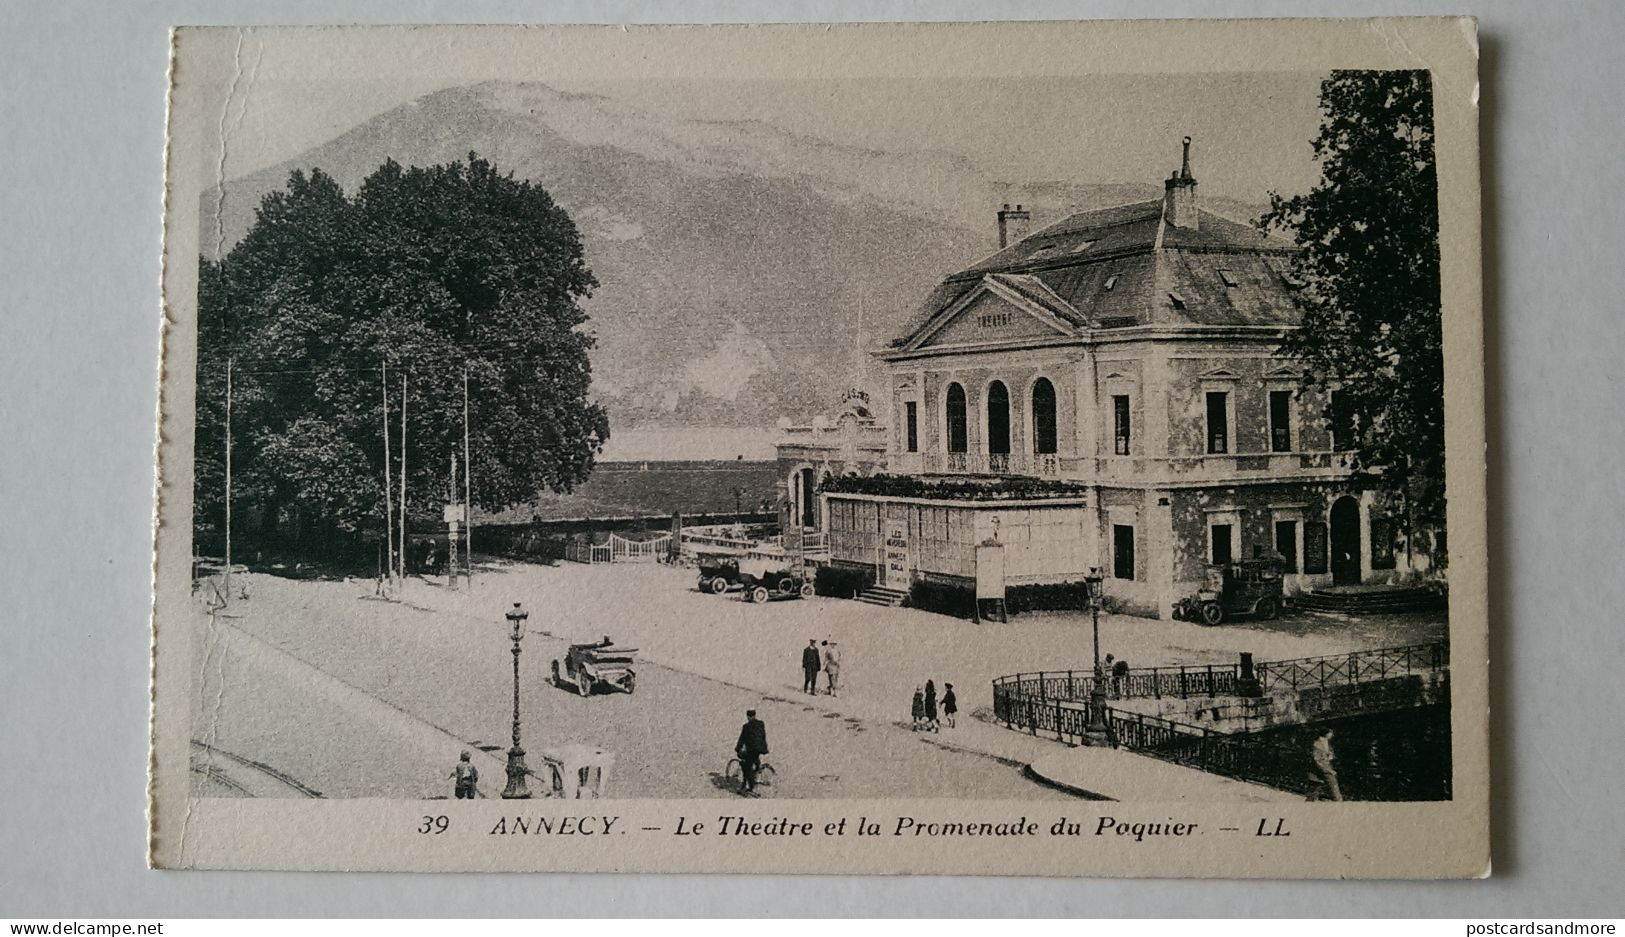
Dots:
pixel 318 685
pixel 355 697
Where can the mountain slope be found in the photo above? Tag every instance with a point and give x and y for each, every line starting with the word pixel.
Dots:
pixel 734 257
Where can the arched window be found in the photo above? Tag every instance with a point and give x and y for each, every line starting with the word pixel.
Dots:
pixel 998 419
pixel 1043 417
pixel 957 439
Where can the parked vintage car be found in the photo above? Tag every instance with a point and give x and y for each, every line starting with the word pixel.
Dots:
pixel 1251 587
pixel 770 574
pixel 600 664
pixel 719 572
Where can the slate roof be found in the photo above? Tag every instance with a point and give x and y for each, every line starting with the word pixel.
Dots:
pixel 1067 266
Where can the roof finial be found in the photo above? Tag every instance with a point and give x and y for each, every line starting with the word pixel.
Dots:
pixel 1185 165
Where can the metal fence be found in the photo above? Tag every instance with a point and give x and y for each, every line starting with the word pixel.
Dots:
pixel 1210 680
pixel 1359 667
pixel 1243 756
pixel 1145 683
pixel 1057 704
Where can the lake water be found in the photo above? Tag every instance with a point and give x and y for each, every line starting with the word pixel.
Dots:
pixel 1390 756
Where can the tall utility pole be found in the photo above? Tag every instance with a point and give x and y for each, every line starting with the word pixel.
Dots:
pixel 227 597
pixel 468 493
pixel 389 509
pixel 451 526
pixel 402 553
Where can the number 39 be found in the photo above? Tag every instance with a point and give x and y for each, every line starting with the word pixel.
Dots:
pixel 435 825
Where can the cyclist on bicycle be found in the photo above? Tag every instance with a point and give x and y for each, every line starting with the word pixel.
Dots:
pixel 750 748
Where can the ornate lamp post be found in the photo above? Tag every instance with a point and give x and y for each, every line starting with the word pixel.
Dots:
pixel 1096 733
pixel 516 789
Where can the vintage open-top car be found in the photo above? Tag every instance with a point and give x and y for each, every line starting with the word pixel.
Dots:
pixel 601 663
pixel 771 574
pixel 719 572
pixel 1250 587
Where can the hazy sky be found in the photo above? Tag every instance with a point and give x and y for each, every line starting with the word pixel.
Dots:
pixel 1252 130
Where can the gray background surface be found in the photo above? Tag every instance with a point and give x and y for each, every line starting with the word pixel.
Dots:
pixel 81 145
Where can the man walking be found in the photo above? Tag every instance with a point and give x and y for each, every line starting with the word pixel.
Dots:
pixel 832 666
pixel 750 748
pixel 810 667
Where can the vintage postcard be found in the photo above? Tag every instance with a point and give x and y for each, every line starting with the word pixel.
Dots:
pixel 1001 449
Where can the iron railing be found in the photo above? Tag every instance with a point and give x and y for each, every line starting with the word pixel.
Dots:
pixel 1057 703
pixel 1242 756
pixel 1357 667
pixel 1210 680
pixel 1145 683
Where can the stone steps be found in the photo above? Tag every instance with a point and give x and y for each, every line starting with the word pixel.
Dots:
pixel 1371 602
pixel 880 595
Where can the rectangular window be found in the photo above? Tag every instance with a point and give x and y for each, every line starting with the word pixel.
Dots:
pixel 1219 537
pixel 1382 543
pixel 1228 277
pixel 1280 421
pixel 1343 429
pixel 1120 424
pixel 1218 422
pixel 1286 544
pixel 911 420
pixel 1122 551
pixel 1314 547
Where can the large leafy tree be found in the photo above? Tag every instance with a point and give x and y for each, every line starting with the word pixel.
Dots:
pixel 1370 275
pixel 428 274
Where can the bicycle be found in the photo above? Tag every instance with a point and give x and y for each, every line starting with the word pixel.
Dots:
pixel 735 773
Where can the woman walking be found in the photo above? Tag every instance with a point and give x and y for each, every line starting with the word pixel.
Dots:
pixel 931 707
pixel 918 709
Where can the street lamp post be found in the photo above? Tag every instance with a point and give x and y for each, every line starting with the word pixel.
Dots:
pixel 516 789
pixel 1096 733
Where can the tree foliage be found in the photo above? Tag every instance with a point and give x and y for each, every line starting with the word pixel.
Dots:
pixel 425 273
pixel 1370 277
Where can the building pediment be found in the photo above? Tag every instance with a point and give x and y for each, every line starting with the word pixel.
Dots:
pixel 1000 308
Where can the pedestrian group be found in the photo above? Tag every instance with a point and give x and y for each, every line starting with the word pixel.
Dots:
pixel 828 661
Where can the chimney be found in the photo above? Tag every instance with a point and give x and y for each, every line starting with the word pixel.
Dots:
pixel 1179 202
pixel 1013 224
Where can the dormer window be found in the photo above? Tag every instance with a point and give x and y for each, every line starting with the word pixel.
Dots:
pixel 1228 278
pixel 1111 281
pixel 1081 247
pixel 1177 300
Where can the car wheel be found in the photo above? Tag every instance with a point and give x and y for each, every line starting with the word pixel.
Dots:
pixel 1212 613
pixel 787 586
pixel 759 595
pixel 807 590
pixel 1268 608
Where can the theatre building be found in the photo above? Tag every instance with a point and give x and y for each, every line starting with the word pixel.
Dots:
pixel 1105 392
